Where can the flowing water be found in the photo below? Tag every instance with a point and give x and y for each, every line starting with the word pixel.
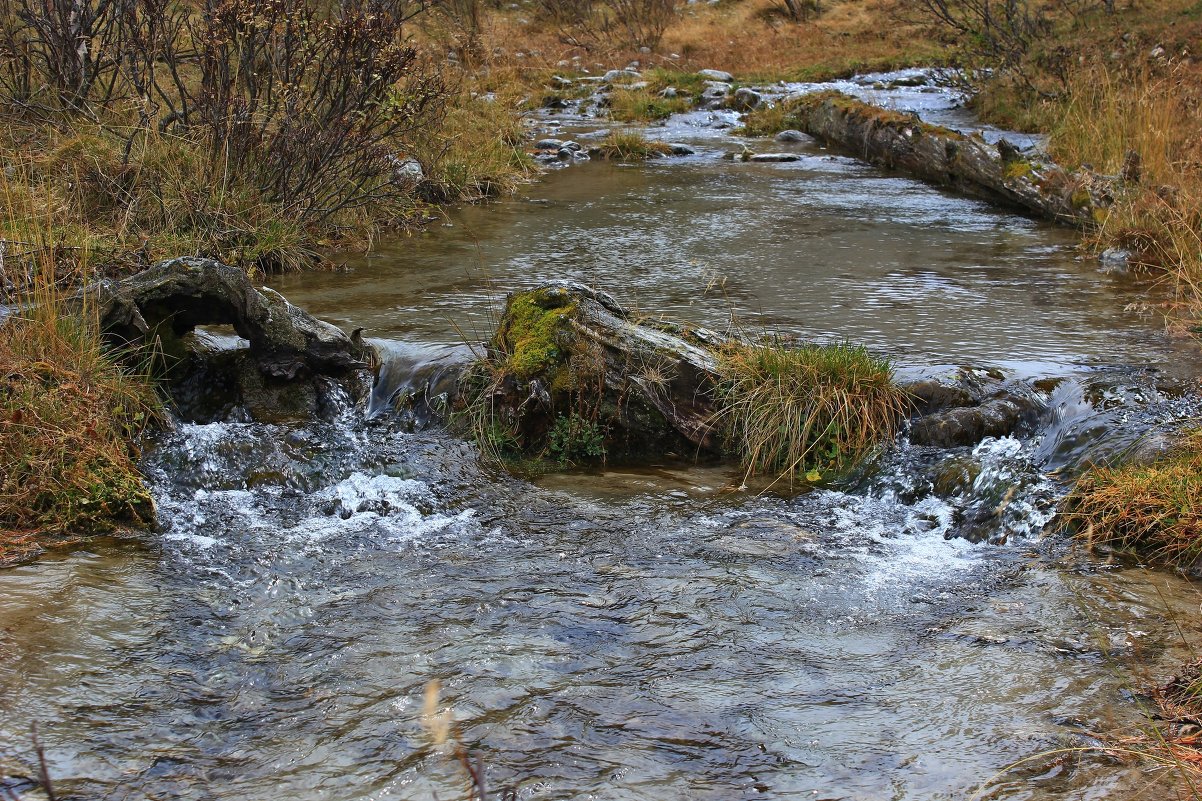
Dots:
pixel 663 633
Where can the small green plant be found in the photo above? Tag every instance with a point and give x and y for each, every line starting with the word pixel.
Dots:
pixel 575 439
pixel 631 146
pixel 801 412
pixel 1153 508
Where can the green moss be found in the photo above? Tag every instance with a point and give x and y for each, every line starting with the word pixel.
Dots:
pixel 1080 198
pixel 1017 170
pixel 532 334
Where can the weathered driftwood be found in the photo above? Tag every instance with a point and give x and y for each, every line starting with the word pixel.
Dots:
pixel 998 173
pixel 565 349
pixel 292 361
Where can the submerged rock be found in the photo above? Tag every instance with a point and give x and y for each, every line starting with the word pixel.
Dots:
pixel 1115 260
pixel 292 361
pixel 773 157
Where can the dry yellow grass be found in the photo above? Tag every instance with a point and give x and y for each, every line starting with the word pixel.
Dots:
pixel 1157 113
pixel 750 39
pixel 70 414
pixel 1154 509
pixel 799 412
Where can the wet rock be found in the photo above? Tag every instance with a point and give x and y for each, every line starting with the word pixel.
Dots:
pixel 292 361
pixel 680 149
pixel 560 82
pixel 773 157
pixel 1115 260
pixel 908 82
pixel 714 93
pixel 548 144
pixel 717 75
pixel 970 406
pixel 968 426
pixel 745 99
pixel 791 135
pixel 929 396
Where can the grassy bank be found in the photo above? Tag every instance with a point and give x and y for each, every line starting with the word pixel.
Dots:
pixel 70 415
pixel 1153 508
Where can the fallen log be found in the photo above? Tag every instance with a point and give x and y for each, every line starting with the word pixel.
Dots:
pixel 291 363
pixel 998 173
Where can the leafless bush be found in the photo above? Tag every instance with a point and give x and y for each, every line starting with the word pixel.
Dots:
pixel 631 23
pixel 311 104
pixel 1008 34
pixel 801 10
pixel 65 47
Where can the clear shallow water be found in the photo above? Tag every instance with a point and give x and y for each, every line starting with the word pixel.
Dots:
pixel 631 635
pixel 822 247
pixel 651 634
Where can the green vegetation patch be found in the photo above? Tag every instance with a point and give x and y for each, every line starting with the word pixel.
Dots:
pixel 1154 509
pixel 575 439
pixel 803 412
pixel 533 332
pixel 642 105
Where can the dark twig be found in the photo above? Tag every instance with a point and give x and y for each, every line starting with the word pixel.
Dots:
pixel 43 773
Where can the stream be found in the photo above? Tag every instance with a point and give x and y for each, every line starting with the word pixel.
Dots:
pixel 657 633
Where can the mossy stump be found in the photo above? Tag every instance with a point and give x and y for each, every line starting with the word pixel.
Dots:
pixel 570 376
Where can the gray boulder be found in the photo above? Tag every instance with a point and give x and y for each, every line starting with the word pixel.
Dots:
pixel 745 99
pixel 717 75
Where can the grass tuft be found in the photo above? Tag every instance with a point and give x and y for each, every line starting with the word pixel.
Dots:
pixel 630 146
pixel 802 412
pixel 1154 508
pixel 70 415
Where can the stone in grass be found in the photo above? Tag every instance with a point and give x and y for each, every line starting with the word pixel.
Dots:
pixel 716 75
pixel 745 99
